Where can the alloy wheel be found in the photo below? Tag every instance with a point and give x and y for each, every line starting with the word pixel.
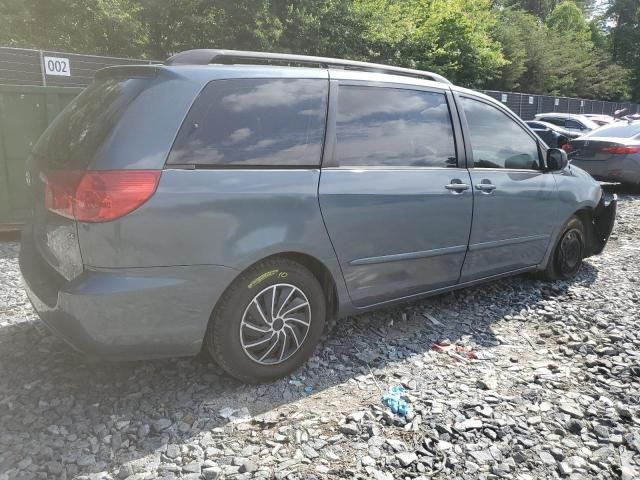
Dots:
pixel 275 324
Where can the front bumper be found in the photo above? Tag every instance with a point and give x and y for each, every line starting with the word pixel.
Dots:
pixel 604 218
pixel 125 314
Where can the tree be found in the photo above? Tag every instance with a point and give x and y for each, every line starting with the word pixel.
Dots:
pixel 521 35
pixel 543 8
pixel 626 37
pixel 321 27
pixel 449 37
pixel 537 46
pixel 90 26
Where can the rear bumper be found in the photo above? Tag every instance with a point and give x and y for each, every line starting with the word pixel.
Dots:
pixel 125 314
pixel 604 218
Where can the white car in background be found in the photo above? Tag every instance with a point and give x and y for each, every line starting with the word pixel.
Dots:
pixel 601 120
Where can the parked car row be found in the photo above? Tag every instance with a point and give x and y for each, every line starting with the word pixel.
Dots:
pixel 607 148
pixel 223 204
pixel 610 154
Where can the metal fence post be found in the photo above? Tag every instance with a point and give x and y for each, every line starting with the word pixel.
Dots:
pixel 42 69
pixel 520 106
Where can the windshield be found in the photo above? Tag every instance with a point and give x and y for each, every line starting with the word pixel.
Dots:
pixel 620 131
pixel 83 126
pixel 588 123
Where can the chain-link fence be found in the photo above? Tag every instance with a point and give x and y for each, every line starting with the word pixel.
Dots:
pixel 528 105
pixel 21 66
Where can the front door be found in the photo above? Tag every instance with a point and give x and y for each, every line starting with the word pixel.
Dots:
pixel 514 200
pixel 396 203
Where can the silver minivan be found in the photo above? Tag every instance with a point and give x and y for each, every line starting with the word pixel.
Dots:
pixel 242 202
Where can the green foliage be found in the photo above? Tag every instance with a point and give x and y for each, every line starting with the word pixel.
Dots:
pixel 522 37
pixel 542 8
pixel 100 26
pixel 537 46
pixel 626 38
pixel 566 55
pixel 539 8
pixel 450 37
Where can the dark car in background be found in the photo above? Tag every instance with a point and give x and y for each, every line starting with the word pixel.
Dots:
pixel 576 124
pixel 552 135
pixel 610 154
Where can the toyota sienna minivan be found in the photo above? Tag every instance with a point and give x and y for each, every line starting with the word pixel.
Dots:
pixel 242 202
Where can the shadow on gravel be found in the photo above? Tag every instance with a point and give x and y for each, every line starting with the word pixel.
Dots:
pixel 51 396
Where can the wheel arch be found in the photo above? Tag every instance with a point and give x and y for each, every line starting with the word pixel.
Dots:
pixel 585 215
pixel 317 268
pixel 322 274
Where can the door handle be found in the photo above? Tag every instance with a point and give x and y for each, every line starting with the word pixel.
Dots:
pixel 486 187
pixel 457 187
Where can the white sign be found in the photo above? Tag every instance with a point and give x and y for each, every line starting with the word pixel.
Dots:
pixel 504 98
pixel 582 103
pixel 557 102
pixel 530 100
pixel 57 66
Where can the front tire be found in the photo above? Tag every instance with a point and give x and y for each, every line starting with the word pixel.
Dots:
pixel 268 322
pixel 566 259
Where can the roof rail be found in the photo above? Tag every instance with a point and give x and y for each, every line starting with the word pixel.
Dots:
pixel 207 56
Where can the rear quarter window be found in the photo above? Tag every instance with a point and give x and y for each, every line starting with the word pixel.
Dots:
pixel 254 122
pixel 84 125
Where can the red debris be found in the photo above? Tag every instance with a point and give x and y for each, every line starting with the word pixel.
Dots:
pixel 445 347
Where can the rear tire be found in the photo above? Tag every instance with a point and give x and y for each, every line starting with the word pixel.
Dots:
pixel 268 322
pixel 566 260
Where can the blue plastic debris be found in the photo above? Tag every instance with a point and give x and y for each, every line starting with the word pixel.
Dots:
pixel 308 389
pixel 396 401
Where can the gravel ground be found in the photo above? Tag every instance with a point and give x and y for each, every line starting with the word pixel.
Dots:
pixel 553 391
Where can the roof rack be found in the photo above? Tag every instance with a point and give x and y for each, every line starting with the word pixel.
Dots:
pixel 207 56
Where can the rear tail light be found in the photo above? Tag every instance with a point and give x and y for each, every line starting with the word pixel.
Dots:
pixel 98 196
pixel 622 149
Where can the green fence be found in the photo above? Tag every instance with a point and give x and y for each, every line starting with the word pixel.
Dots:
pixel 25 112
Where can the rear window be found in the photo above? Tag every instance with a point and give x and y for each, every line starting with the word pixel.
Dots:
pixel 620 131
pixel 255 122
pixel 83 126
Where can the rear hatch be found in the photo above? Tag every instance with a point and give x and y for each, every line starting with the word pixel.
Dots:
pixel 65 152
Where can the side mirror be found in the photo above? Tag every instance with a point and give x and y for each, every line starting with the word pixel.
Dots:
pixel 556 159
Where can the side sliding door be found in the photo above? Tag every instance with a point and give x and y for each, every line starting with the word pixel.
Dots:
pixel 394 193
